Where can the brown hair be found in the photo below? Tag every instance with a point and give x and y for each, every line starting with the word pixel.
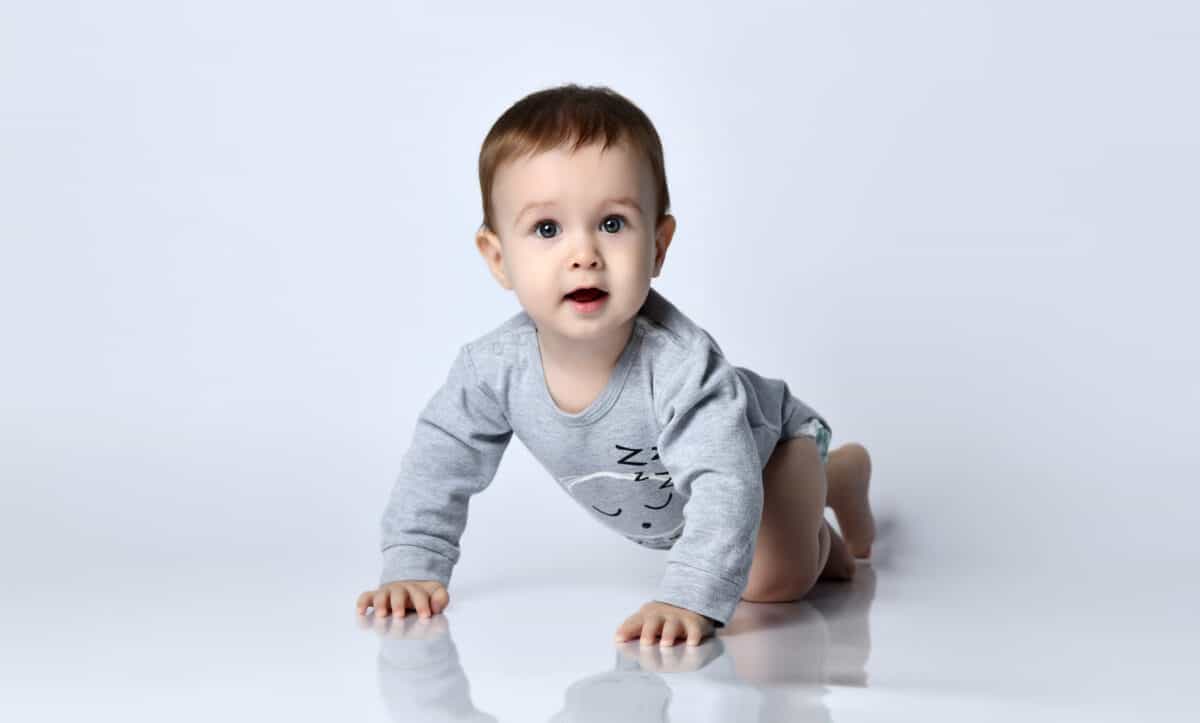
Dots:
pixel 548 118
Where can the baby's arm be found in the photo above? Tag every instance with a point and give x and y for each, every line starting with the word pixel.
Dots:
pixel 460 437
pixel 707 445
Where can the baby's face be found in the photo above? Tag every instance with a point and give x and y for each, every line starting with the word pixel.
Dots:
pixel 565 220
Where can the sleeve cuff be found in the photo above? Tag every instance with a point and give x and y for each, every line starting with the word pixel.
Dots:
pixel 410 562
pixel 699 591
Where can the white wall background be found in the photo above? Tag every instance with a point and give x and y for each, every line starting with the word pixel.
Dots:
pixel 236 259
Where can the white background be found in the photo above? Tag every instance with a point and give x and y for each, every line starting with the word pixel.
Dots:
pixel 236 258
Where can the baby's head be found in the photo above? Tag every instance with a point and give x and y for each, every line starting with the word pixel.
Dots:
pixel 574 194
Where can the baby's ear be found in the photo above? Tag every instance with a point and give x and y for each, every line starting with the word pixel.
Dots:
pixel 493 254
pixel 662 239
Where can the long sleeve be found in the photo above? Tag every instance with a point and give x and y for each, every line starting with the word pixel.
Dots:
pixel 707 446
pixel 457 445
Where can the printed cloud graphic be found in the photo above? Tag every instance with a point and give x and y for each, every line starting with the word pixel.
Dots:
pixel 643 507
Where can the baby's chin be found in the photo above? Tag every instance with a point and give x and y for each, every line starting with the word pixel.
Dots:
pixel 577 326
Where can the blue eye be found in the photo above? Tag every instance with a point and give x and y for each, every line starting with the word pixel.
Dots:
pixel 621 223
pixel 614 217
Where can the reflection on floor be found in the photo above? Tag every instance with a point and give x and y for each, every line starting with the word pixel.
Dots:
pixel 981 645
pixel 772 662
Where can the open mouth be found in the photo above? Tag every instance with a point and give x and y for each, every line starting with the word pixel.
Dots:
pixel 586 295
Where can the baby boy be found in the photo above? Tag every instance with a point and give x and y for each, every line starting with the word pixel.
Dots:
pixel 630 405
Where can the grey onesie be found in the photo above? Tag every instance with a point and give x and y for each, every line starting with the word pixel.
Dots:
pixel 669 455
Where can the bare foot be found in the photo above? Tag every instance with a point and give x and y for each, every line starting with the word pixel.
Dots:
pixel 849 474
pixel 840 565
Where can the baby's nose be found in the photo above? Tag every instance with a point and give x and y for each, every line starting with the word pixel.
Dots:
pixel 645 525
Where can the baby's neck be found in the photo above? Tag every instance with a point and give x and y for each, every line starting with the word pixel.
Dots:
pixel 594 357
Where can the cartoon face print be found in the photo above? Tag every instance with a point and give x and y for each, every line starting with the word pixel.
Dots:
pixel 641 504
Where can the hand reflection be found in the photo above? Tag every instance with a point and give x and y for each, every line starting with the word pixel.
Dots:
pixel 420 677
pixel 671 658
pixel 408 627
pixel 773 661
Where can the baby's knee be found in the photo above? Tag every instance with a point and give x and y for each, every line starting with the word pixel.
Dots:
pixel 780 581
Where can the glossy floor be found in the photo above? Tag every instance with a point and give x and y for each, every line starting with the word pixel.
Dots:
pixel 888 646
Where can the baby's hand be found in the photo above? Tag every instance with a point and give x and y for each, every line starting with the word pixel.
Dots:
pixel 672 620
pixel 426 597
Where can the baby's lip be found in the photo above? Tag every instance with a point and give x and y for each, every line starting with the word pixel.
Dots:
pixel 581 288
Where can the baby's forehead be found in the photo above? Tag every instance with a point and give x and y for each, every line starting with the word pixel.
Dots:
pixel 588 171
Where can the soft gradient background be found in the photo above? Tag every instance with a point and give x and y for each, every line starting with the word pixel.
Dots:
pixel 236 259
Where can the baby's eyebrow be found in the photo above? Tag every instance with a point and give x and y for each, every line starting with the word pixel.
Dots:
pixel 620 200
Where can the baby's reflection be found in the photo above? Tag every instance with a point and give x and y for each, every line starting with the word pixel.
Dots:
pixel 772 662
pixel 420 677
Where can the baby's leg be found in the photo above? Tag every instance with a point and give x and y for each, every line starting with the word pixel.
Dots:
pixel 848 471
pixel 795 545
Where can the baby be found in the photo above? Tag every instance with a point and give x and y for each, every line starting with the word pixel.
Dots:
pixel 629 404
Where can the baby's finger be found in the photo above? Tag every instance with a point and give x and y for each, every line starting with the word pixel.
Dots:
pixel 420 600
pixel 398 607
pixel 670 629
pixel 380 602
pixel 363 601
pixel 439 599
pixel 631 627
pixel 694 633
pixel 650 628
